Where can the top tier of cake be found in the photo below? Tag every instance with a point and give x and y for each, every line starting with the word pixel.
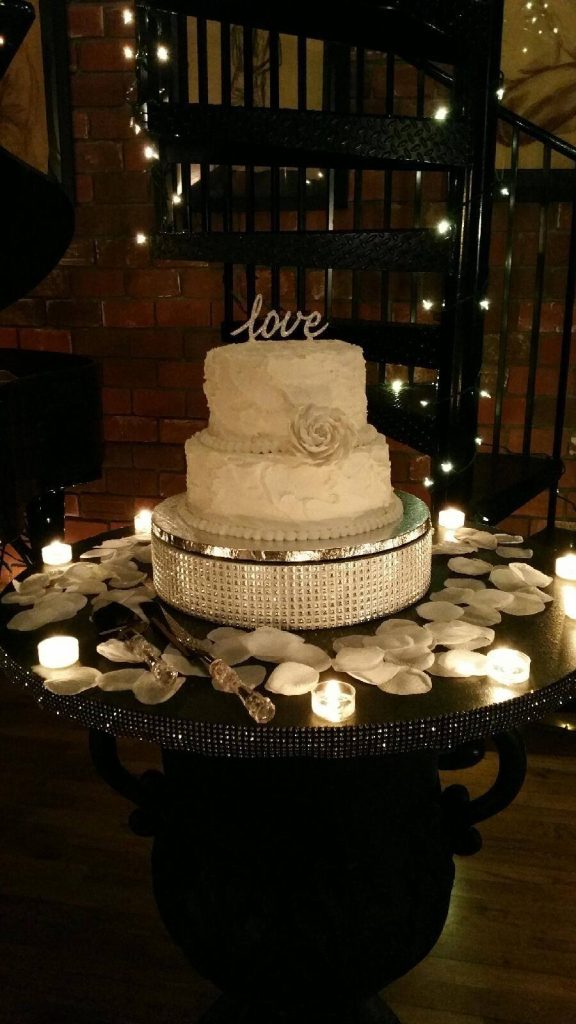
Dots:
pixel 254 389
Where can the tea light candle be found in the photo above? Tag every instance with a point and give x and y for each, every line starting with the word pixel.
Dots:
pixel 451 518
pixel 56 553
pixel 508 666
pixel 334 700
pixel 143 521
pixel 58 651
pixel 566 567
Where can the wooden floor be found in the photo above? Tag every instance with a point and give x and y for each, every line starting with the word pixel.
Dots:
pixel 81 941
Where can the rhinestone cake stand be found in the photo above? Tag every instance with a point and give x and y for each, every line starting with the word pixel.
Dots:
pixel 295 586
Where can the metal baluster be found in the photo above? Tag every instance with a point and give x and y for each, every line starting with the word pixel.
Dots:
pixel 537 311
pixel 503 339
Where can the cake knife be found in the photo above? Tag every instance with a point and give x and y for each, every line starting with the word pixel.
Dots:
pixel 259 707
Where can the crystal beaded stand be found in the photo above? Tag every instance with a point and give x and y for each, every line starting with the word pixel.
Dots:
pixel 293 586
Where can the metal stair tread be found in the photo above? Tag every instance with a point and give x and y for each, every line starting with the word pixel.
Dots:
pixel 421 249
pixel 306 138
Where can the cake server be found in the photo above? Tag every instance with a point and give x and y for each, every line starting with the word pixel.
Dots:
pixel 259 707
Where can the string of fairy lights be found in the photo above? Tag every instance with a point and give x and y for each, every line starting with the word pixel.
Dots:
pixel 536 12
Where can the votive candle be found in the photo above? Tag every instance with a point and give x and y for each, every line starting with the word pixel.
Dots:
pixel 58 651
pixel 508 666
pixel 334 700
pixel 566 567
pixel 451 518
pixel 143 521
pixel 56 553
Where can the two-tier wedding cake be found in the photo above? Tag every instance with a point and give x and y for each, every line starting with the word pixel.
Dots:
pixel 288 454
pixel 289 517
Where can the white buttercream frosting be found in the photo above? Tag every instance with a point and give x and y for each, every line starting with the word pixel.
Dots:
pixel 288 453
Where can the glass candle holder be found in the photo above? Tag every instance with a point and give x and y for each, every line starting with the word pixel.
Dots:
pixel 58 652
pixel 143 522
pixel 334 700
pixel 508 666
pixel 451 518
pixel 57 553
pixel 566 567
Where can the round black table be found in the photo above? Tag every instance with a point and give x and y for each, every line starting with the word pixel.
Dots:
pixel 304 866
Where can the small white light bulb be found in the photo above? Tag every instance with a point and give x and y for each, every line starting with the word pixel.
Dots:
pixel 500 93
pixel 424 401
pixel 504 191
pixel 2 40
pixel 441 113
pixel 176 199
pixel 428 482
pixel 478 440
pixel 397 386
pixel 150 153
pixel 443 226
pixel 446 467
pixel 485 394
pixel 129 52
pixel 484 303
pixel 141 238
pixel 127 16
pixel 163 54
pixel 427 303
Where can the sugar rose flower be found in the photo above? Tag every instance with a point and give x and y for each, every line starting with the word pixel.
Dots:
pixel 321 433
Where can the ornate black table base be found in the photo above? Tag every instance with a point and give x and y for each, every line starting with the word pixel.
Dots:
pixel 300 887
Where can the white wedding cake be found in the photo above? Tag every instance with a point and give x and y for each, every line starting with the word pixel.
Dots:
pixel 288 454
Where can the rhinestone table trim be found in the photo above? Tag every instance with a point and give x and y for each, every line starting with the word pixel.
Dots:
pixel 440 733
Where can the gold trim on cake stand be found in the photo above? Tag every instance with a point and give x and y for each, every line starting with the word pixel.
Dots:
pixel 306 585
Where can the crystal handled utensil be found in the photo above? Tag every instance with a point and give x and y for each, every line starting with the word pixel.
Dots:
pixel 159 668
pixel 259 707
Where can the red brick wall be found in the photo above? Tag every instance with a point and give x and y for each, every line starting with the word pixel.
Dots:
pixel 150 324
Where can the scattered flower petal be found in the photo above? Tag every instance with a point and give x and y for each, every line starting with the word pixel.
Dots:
pixel 524 604
pixel 509 538
pixel 120 679
pixel 148 690
pixel 292 679
pixel 407 682
pixel 481 538
pixel 492 598
pixel 469 566
pixel 529 575
pixel 361 659
pixel 439 611
pixel 514 552
pixel 457 595
pixel 452 582
pixel 482 616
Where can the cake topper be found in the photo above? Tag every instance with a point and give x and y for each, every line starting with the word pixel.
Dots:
pixel 273 322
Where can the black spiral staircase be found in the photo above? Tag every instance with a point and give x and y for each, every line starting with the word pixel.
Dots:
pixel 251 160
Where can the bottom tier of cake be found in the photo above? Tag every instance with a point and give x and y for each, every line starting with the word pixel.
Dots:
pixel 292 587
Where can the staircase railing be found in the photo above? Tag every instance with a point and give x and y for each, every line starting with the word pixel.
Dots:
pixel 548 186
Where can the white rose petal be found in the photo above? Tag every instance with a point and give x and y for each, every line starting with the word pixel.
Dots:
pixel 292 679
pixel 469 566
pixel 452 582
pixel 529 575
pixel 361 659
pixel 439 611
pixel 407 682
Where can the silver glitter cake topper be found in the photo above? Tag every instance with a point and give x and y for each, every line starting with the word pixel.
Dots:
pixel 273 322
